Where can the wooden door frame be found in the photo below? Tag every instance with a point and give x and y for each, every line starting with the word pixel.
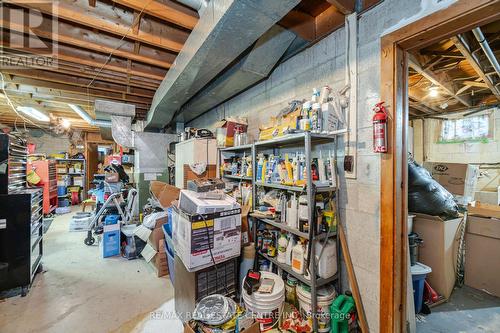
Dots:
pixel 457 18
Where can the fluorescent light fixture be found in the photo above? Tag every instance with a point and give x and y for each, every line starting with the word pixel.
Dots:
pixel 434 91
pixel 33 113
pixel 65 123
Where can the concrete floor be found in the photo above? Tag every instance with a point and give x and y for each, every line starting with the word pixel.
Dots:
pixel 468 311
pixel 79 291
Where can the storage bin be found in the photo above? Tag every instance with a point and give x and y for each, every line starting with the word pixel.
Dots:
pixel 418 273
pixel 171 265
pixel 111 240
pixel 168 240
pixel 62 190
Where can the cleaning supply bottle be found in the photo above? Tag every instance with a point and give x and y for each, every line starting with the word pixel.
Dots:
pixel 282 247
pixel 298 257
pixel 260 165
pixel 289 249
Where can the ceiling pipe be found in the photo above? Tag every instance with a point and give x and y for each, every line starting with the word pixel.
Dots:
pixel 197 5
pixel 85 116
pixel 487 49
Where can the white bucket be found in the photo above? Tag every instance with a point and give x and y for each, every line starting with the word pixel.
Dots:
pixel 410 223
pixel 325 298
pixel 266 307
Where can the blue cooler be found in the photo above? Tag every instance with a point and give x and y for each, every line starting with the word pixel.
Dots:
pixel 111 236
pixel 418 273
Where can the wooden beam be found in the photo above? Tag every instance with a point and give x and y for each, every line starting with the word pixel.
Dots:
pixel 33 86
pixel 475 84
pixel 446 54
pixel 436 80
pixel 165 10
pixel 97 60
pixel 113 20
pixel 421 107
pixel 328 21
pixel 346 7
pixel 95 41
pixel 92 3
pixel 137 22
pixel 471 59
pixel 77 81
pixel 61 97
pixel 300 23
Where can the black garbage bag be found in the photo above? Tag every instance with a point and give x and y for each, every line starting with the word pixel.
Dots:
pixel 427 196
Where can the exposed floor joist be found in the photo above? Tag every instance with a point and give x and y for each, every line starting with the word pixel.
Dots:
pixel 113 20
pixel 436 80
pixel 465 50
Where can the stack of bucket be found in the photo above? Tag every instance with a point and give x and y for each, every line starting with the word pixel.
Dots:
pixel 266 307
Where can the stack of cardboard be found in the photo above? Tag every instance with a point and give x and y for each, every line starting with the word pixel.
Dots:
pixel 439 249
pixel 154 251
pixel 482 252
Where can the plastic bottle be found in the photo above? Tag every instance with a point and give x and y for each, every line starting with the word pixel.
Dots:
pixel 298 258
pixel 289 249
pixel 282 247
pixel 260 165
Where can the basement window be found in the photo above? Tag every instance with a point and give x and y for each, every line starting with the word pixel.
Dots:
pixel 477 128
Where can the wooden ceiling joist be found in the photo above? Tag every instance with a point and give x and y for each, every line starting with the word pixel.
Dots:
pixel 346 7
pixel 465 50
pixel 96 60
pixel 95 41
pixel 78 81
pixel 114 20
pixel 37 87
pixel 165 10
pixel 437 80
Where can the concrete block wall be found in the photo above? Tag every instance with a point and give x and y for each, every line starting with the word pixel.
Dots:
pixel 48 144
pixel 426 136
pixel 324 63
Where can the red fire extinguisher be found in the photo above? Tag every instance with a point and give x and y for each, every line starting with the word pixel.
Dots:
pixel 380 128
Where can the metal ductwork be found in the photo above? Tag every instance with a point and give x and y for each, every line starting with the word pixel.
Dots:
pixel 91 121
pixel 225 30
pixel 197 5
pixel 487 49
pixel 254 67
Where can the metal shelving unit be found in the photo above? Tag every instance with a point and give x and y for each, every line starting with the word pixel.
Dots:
pixel 83 173
pixel 305 140
pixel 248 148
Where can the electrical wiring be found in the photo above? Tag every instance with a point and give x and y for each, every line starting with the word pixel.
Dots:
pixel 121 43
pixel 13 107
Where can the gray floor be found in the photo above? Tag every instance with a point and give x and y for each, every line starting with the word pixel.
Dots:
pixel 468 310
pixel 82 292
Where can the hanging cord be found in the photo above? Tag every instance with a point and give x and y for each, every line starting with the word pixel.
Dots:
pixel 460 267
pixel 210 250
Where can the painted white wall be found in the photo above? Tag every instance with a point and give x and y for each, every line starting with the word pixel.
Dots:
pixel 426 136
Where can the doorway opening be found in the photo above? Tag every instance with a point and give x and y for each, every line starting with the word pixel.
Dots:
pixel 400 54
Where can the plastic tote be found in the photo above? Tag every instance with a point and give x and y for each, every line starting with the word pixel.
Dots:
pixel 111 240
pixel 418 273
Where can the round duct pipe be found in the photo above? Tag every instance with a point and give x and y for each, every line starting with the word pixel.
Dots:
pixel 197 5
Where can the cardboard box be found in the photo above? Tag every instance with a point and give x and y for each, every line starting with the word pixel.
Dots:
pixel 190 203
pixel 192 235
pixel 439 249
pixel 459 179
pixel 482 254
pixel 157 260
pixel 157 234
pixel 483 209
pixel 230 125
pixel 164 192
